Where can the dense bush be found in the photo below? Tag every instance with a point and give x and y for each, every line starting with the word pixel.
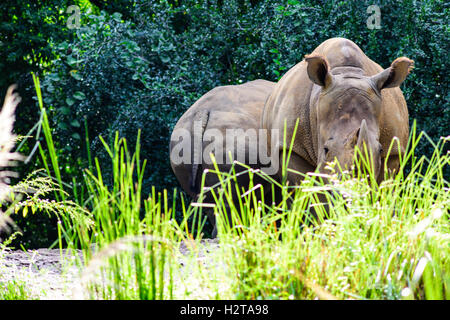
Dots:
pixel 28 30
pixel 142 67
pixel 144 73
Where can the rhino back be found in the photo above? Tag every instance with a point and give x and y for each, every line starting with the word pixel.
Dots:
pixel 246 99
pixel 222 108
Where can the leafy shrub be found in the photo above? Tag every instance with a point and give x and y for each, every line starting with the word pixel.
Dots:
pixel 143 74
pixel 142 67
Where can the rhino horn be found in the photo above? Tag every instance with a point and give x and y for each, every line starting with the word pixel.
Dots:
pixel 363 133
pixel 358 136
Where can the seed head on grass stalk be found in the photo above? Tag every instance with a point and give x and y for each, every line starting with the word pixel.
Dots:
pixel 7 155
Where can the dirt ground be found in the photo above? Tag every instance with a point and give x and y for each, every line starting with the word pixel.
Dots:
pixel 41 270
pixel 50 275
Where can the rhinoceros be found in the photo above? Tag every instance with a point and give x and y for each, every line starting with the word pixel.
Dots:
pixel 342 99
pixel 225 114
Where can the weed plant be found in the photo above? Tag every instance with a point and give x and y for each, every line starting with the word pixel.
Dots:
pixel 366 241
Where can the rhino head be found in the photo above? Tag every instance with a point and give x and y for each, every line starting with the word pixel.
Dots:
pixel 348 107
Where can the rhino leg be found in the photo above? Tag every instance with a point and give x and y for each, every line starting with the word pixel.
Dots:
pixel 296 163
pixel 214 232
pixel 393 164
pixel 299 164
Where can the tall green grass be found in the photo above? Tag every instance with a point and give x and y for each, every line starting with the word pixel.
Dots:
pixel 373 241
pixel 133 236
pixel 387 241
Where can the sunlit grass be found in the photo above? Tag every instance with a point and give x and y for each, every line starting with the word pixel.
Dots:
pixel 373 241
pixel 387 241
pixel 15 290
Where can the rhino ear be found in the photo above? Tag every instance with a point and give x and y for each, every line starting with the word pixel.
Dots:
pixel 318 70
pixel 394 75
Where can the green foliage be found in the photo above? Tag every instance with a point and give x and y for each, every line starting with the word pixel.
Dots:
pixel 15 290
pixel 143 73
pixel 28 34
pixel 27 31
pixel 33 194
pixel 387 241
pixel 124 233
pixel 140 64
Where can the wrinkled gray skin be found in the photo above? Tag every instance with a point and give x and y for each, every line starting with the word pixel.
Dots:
pixel 222 108
pixel 342 99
